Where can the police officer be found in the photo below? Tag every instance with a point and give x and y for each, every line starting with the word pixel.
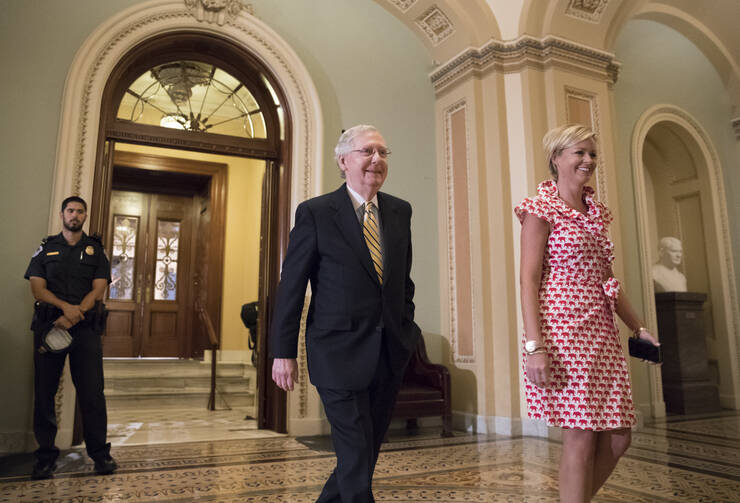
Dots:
pixel 69 274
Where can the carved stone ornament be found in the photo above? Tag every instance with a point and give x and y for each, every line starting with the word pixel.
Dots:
pixel 216 11
pixel 436 25
pixel 513 55
pixel 587 10
pixel 403 5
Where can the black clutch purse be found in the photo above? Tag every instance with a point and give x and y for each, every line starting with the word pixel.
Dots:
pixel 644 350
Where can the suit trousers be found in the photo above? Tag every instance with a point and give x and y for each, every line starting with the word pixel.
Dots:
pixel 359 420
pixel 86 367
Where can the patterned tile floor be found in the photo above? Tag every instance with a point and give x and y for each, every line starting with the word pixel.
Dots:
pixel 678 460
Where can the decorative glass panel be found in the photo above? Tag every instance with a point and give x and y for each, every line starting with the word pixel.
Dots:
pixel 125 230
pixel 168 241
pixel 193 96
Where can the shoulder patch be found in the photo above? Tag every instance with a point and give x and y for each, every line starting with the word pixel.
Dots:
pixel 39 250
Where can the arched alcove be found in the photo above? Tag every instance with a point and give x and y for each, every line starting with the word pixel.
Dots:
pixel 680 192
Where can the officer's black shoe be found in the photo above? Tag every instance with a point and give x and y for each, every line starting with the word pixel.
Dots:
pixel 106 465
pixel 43 470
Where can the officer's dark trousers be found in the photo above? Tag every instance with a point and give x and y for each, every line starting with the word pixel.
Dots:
pixel 359 420
pixel 86 366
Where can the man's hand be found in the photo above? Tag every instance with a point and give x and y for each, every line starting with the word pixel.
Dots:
pixel 63 322
pixel 285 373
pixel 73 313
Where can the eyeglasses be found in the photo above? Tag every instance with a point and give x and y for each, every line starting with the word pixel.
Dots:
pixel 369 152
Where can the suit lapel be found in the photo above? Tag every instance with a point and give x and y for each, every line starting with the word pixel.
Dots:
pixel 346 219
pixel 391 236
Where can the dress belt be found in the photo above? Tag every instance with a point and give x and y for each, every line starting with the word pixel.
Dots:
pixel 610 287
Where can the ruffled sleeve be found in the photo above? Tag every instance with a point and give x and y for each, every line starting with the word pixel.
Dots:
pixel 538 207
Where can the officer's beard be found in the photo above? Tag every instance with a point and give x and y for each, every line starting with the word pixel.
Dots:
pixel 74 226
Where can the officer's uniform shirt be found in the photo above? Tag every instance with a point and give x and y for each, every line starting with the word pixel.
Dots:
pixel 69 271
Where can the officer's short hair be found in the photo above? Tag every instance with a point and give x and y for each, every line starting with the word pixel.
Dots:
pixel 74 199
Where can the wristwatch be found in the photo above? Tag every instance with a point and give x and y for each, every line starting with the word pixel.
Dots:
pixel 531 346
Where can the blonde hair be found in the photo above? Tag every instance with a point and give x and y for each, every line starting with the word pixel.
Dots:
pixel 558 139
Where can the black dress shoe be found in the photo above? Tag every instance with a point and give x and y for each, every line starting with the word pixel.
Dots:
pixel 105 466
pixel 43 470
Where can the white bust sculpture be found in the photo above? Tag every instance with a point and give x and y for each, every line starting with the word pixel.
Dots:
pixel 666 276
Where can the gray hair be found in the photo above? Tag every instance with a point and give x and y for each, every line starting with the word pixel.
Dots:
pixel 347 139
pixel 558 139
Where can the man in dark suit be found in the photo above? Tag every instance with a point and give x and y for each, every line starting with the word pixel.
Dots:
pixel 354 246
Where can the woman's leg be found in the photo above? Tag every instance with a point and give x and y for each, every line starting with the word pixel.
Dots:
pixel 577 465
pixel 610 446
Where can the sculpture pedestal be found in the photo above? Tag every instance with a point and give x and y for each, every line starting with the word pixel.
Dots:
pixel 687 388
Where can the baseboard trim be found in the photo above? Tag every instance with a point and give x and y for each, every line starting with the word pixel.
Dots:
pixel 17 442
pixel 503 425
pixel 308 427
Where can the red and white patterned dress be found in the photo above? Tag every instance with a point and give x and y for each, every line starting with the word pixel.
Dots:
pixel 590 386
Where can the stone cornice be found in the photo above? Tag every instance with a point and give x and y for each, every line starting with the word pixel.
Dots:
pixel 512 56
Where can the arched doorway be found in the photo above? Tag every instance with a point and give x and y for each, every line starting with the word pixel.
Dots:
pixel 185 79
pixel 679 192
pixel 79 130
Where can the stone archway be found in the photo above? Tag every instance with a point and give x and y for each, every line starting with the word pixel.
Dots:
pixel 724 289
pixel 98 55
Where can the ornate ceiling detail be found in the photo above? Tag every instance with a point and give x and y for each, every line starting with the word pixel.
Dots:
pixel 527 51
pixel 402 5
pixel 435 24
pixel 587 10
pixel 217 11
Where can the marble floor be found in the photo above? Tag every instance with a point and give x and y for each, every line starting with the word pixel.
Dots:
pixel 682 459
pixel 167 426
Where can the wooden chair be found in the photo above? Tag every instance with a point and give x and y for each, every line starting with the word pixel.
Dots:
pixel 425 391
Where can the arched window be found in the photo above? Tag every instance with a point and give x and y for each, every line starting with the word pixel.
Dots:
pixel 194 96
pixel 196 92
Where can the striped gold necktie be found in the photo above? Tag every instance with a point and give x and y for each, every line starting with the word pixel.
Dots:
pixel 372 238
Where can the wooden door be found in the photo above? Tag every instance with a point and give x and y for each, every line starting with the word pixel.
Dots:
pixel 201 253
pixel 150 239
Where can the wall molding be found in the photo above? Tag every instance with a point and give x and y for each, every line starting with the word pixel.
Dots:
pixel 601 176
pixel 500 425
pixel 526 51
pixel 452 256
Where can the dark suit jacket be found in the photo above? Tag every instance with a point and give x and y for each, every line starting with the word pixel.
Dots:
pixel 348 303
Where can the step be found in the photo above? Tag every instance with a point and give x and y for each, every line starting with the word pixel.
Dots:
pixel 133 384
pixel 154 383
pixel 139 367
pixel 116 401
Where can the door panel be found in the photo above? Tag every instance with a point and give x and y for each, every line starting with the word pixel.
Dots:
pixel 149 294
pixel 166 296
pixel 201 252
pixel 127 245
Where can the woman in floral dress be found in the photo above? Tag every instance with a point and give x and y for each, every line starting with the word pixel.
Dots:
pixel 576 374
